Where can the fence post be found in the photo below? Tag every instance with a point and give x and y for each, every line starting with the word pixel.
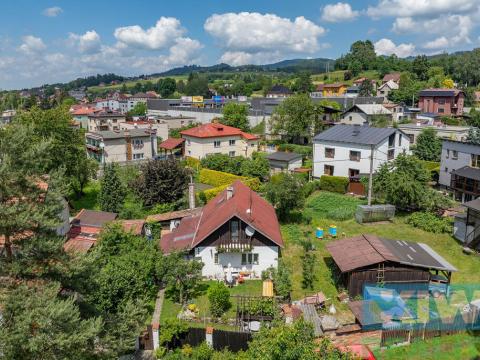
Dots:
pixel 209 336
pixel 424 326
pixel 155 336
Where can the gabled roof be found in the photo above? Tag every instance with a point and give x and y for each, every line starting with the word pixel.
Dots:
pixel 391 84
pixel 245 204
pixel 211 130
pixel 171 143
pixel 366 250
pixel 371 109
pixel 280 89
pixel 392 76
pixel 93 218
pixel 284 156
pixel 355 134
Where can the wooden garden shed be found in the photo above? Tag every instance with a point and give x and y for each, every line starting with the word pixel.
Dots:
pixel 367 259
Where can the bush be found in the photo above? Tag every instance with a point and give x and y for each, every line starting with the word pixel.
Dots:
pixel 336 184
pixel 219 298
pixel 305 150
pixel 172 331
pixel 207 195
pixel 218 178
pixel 223 162
pixel 310 187
pixel 192 162
pixel 430 222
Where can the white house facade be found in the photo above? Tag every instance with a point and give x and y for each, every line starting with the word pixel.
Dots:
pixel 345 150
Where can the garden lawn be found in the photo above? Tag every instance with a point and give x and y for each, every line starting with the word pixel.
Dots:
pixel 460 346
pixel 89 198
pixel 318 206
pixel 250 287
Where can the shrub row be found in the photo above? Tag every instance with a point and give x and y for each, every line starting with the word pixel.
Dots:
pixel 430 222
pixel 336 184
pixel 217 178
pixel 305 150
pixel 192 162
pixel 207 195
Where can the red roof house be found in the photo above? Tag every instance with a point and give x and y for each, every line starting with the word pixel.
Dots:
pixel 215 138
pixel 238 229
pixel 85 227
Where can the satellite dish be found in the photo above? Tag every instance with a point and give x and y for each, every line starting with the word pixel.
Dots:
pixel 249 231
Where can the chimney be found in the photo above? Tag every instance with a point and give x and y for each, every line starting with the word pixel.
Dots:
pixel 191 195
pixel 229 192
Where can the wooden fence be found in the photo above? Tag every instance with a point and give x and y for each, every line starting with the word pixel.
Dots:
pixel 409 333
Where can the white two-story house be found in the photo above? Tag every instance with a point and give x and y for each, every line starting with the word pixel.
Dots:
pixel 216 138
pixel 345 150
pixel 236 230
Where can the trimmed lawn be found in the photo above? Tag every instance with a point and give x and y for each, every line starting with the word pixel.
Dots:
pixel 460 346
pixel 89 198
pixel 318 205
pixel 249 287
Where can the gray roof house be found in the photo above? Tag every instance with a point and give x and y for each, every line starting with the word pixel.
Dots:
pixel 284 161
pixel 365 114
pixel 345 150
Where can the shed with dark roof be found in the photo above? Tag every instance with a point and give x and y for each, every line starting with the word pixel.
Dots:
pixel 368 259
pixel 284 161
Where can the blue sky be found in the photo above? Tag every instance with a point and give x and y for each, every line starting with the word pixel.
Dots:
pixel 52 41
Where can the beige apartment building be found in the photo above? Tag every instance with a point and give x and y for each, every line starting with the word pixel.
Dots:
pixel 121 146
pixel 105 120
pixel 211 138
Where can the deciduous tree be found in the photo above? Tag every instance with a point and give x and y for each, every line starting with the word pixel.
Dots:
pixel 236 115
pixel 428 146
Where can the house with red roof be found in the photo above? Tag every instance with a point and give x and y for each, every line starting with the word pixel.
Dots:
pixel 214 138
pixel 236 230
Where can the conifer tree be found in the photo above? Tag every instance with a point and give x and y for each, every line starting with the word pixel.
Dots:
pixel 112 192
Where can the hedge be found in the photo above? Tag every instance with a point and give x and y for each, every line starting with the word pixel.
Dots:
pixel 192 162
pixel 305 150
pixel 336 184
pixel 218 178
pixel 430 222
pixel 207 195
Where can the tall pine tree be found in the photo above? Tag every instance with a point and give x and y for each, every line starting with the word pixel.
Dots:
pixel 112 192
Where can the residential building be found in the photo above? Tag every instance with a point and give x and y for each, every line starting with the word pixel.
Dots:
pixel 85 229
pixel 81 115
pixel 236 232
pixel 78 94
pixel 460 169
pixel 281 161
pixel 7 116
pixel 352 91
pixel 122 145
pixel 214 138
pixel 395 77
pixel 445 102
pixel 386 88
pixel 345 150
pixel 360 81
pixel 448 132
pixel 147 124
pixel 336 89
pixel 365 114
pixel 398 111
pixel 279 91
pixel 105 120
pixel 107 104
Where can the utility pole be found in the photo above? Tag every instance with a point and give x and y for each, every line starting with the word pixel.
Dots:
pixel 370 177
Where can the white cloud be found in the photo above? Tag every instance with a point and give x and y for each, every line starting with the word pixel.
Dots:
pixel 339 12
pixel 86 43
pixel 439 43
pixel 404 8
pixel 32 45
pixel 388 47
pixel 163 34
pixel 52 11
pixel 248 37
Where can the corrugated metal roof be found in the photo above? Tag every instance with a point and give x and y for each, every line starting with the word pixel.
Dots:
pixel 355 134
pixel 372 109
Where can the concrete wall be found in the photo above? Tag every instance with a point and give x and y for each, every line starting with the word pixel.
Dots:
pixel 201 147
pixel 267 257
pixel 341 162
pixel 116 149
pixel 352 118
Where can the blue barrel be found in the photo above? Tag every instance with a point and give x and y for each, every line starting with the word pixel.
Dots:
pixel 332 230
pixel 319 233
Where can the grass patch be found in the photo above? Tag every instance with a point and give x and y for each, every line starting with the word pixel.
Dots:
pixel 319 205
pixel 89 198
pixel 460 346
pixel 332 205
pixel 250 287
